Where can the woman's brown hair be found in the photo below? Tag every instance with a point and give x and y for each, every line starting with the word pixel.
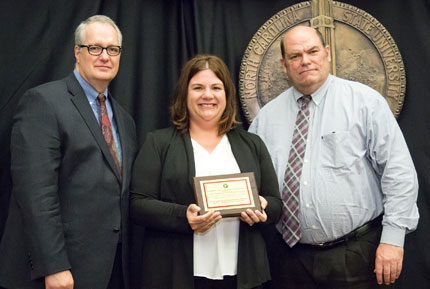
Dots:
pixel 178 109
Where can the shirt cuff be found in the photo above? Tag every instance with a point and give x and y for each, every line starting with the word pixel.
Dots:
pixel 393 236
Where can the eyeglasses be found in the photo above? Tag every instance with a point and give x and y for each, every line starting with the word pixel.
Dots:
pixel 96 50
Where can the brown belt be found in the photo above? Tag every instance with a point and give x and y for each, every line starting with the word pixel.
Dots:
pixel 360 231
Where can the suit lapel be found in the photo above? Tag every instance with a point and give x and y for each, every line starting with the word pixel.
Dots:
pixel 121 129
pixel 81 103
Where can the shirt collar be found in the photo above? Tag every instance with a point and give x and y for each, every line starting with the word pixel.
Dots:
pixel 318 95
pixel 90 92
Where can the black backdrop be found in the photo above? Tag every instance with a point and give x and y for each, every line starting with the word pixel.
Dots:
pixel 159 36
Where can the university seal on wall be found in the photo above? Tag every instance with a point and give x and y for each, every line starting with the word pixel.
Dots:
pixel 361 50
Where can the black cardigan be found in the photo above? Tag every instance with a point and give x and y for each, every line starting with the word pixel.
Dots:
pixel 161 192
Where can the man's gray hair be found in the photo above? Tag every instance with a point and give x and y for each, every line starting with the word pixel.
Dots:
pixel 80 30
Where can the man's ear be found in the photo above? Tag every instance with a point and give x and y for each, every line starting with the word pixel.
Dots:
pixel 327 48
pixel 77 53
pixel 284 65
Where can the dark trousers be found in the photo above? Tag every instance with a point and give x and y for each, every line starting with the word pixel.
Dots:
pixel 229 282
pixel 348 265
pixel 116 279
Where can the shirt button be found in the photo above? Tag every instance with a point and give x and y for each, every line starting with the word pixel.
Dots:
pixel 314 227
pixel 305 183
pixel 306 161
pixel 307 205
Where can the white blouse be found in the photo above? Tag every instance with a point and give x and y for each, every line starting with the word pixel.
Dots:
pixel 216 250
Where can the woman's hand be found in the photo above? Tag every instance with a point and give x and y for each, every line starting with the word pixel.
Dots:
pixel 201 224
pixel 252 217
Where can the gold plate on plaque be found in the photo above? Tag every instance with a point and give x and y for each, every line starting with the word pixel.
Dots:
pixel 364 51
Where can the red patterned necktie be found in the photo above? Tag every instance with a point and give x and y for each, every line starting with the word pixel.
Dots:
pixel 290 194
pixel 107 131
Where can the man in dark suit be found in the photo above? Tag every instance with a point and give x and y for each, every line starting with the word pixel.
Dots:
pixel 68 220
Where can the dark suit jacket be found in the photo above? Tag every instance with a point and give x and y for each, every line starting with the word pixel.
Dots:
pixel 161 192
pixel 68 206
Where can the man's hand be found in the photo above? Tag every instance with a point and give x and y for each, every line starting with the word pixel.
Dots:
pixel 60 280
pixel 388 263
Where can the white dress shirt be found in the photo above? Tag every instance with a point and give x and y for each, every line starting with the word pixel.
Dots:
pixel 215 251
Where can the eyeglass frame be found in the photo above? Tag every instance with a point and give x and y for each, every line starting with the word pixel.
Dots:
pixel 103 48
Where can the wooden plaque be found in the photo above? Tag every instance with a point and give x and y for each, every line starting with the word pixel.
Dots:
pixel 228 194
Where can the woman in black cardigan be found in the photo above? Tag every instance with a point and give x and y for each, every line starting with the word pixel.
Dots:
pixel 182 249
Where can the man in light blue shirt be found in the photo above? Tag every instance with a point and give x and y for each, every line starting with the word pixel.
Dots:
pixel 91 94
pixel 356 171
